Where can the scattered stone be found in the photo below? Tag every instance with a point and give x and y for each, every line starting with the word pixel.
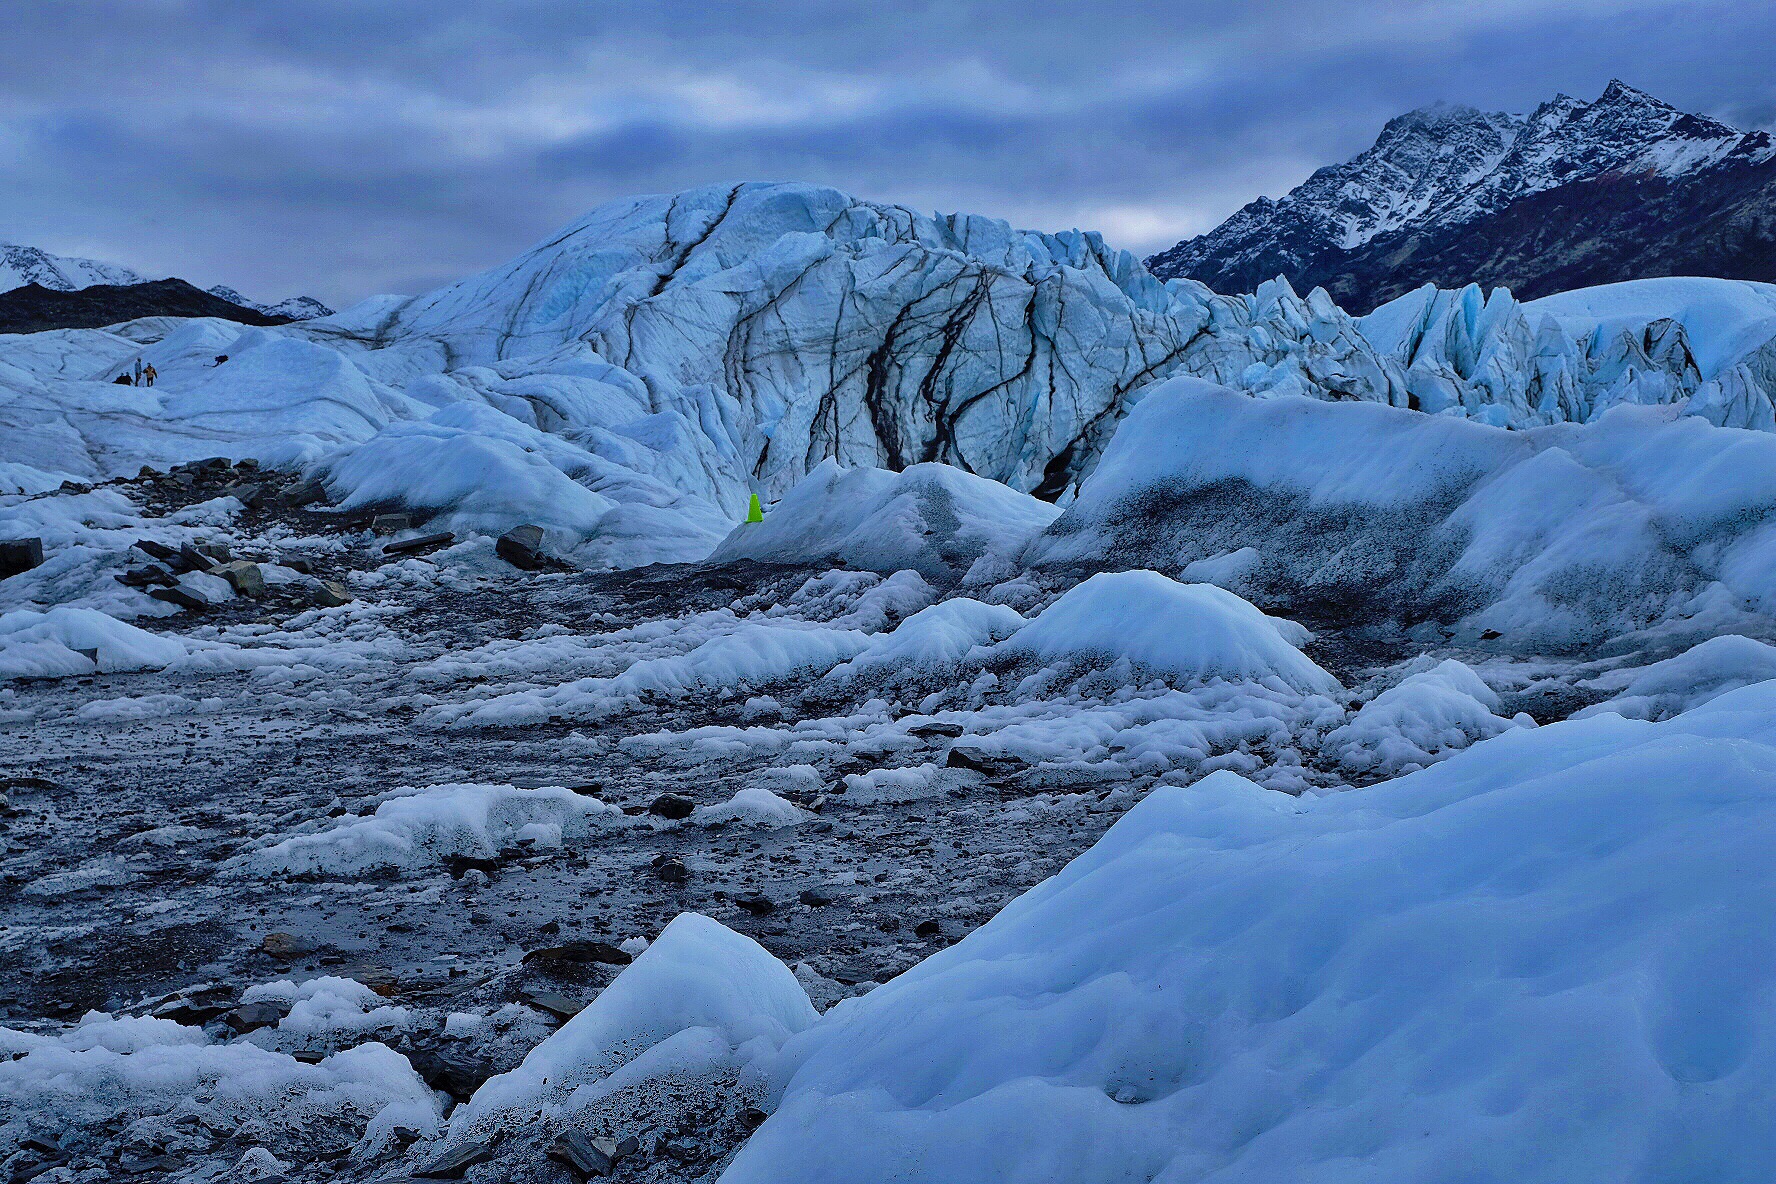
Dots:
pixel 19 555
pixel 756 903
pixel 307 493
pixel 159 552
pixel 968 756
pixel 250 495
pixel 522 547
pixel 179 596
pixel 671 869
pixel 285 946
pixel 424 542
pixel 391 523
pixel 592 1156
pixel 815 897
pixel 671 806
pixel 581 952
pixel 297 564
pixel 936 728
pixel 243 576
pixel 556 1005
pixel 457 1160
pixel 195 1006
pixel 329 594
pixel 461 865
pixel 250 1016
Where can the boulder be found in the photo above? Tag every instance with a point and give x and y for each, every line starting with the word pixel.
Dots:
pixel 424 542
pixel 522 547
pixel 243 576
pixel 672 806
pixel 391 523
pixel 19 555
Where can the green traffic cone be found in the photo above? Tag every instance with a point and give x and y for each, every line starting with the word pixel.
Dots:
pixel 755 512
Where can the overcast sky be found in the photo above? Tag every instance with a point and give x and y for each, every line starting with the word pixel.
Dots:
pixel 342 148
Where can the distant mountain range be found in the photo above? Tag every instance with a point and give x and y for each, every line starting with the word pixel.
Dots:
pixel 1574 194
pixel 34 308
pixel 21 266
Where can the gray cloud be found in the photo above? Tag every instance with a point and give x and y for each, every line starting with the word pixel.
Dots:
pixel 341 148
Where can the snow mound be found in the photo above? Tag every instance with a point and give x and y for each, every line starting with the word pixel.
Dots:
pixel 1425 717
pixel 1556 536
pixel 73 641
pixel 752 806
pixel 1701 673
pixel 932 518
pixel 1543 960
pixel 1191 632
pixel 106 1068
pixel 933 639
pixel 416 828
pixel 701 999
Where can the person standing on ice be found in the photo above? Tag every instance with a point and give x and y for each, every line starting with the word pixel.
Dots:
pixel 148 374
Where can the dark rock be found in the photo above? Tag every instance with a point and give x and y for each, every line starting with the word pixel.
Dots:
pixel 453 1072
pixel 297 564
pixel 936 728
pixel 756 903
pixel 522 547
pixel 329 594
pixel 285 946
pixel 592 1156
pixel 243 576
pixel 581 952
pixel 179 596
pixel 251 496
pixel 671 869
pixel 929 928
pixel 815 897
pixel 424 542
pixel 19 555
pixel 391 523
pixel 306 493
pixel 752 1117
pixel 156 551
pixel 671 805
pixel 453 1162
pixel 249 1016
pixel 968 756
pixel 556 1005
pixel 460 865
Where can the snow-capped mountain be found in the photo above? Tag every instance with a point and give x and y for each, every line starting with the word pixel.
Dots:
pixel 1573 194
pixel 296 308
pixel 21 265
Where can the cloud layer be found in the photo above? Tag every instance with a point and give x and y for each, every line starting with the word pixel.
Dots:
pixel 338 148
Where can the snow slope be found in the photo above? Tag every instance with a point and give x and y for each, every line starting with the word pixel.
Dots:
pixel 1237 985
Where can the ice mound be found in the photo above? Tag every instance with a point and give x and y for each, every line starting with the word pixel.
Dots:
pixel 1423 718
pixel 933 639
pixel 700 1000
pixel 752 806
pixel 1190 632
pixel 1555 536
pixel 932 518
pixel 1701 673
pixel 1544 960
pixel 73 641
pixel 756 653
pixel 106 1068
pixel 415 828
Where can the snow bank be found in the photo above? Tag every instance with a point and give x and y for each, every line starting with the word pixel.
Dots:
pixel 1423 718
pixel 423 827
pixel 1556 536
pixel 1701 673
pixel 700 999
pixel 105 1069
pixel 73 641
pixel 1191 632
pixel 1724 320
pixel 932 518
pixel 932 640
pixel 1544 960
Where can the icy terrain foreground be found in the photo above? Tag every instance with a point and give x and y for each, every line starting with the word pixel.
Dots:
pixel 1320 789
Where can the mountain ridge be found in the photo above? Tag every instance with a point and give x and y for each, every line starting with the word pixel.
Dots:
pixel 1573 194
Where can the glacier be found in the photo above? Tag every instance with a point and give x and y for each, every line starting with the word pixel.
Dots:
pixel 1144 734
